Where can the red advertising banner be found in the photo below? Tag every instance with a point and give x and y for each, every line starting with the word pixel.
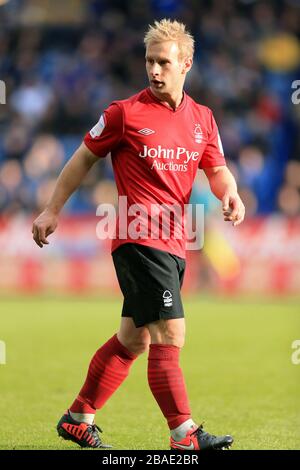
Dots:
pixel 260 256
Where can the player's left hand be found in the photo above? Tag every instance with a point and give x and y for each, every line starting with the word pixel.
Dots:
pixel 233 209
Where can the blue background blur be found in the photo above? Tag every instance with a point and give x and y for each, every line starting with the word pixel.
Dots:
pixel 64 62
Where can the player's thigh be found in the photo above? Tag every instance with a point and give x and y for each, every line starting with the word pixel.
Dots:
pixel 137 340
pixel 170 331
pixel 150 280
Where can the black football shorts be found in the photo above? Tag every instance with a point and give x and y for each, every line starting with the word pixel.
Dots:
pixel 150 281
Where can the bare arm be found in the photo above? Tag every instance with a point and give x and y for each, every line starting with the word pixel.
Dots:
pixel 68 181
pixel 223 186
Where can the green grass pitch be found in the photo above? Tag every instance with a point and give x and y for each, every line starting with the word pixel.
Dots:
pixel 237 365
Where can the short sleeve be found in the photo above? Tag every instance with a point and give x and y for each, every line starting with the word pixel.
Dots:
pixel 213 154
pixel 107 133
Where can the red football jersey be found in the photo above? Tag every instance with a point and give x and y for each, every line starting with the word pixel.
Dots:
pixel 155 153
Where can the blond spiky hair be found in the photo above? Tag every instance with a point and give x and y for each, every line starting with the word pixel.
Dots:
pixel 168 30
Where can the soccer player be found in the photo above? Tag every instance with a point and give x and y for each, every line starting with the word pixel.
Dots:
pixel 158 139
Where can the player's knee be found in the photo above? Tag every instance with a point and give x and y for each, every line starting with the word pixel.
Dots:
pixel 138 346
pixel 172 338
pixel 175 339
pixel 168 332
pixel 141 347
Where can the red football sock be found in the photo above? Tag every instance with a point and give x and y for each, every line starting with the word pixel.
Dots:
pixel 167 383
pixel 108 369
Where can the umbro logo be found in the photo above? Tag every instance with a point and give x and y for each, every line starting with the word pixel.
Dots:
pixel 146 131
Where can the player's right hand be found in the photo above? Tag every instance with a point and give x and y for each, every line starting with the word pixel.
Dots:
pixel 43 226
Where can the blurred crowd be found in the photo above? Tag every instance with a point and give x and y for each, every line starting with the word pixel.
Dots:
pixel 64 62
